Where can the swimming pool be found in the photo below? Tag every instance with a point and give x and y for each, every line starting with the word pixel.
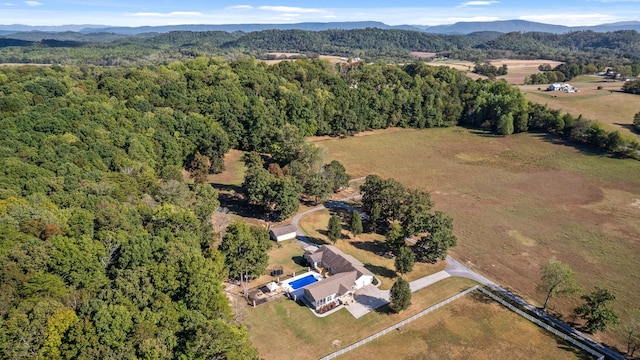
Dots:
pixel 302 282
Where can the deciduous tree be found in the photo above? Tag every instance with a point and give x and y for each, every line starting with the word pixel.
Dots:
pixel 395 236
pixel 557 279
pixel 597 310
pixel 245 250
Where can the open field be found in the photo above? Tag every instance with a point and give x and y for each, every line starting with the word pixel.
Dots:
pixel 367 248
pixel 473 327
pixel 609 106
pixel 330 58
pixel 517 69
pixel 286 329
pixel 518 202
pixel 423 54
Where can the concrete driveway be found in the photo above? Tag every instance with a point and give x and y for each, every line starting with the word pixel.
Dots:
pixel 367 299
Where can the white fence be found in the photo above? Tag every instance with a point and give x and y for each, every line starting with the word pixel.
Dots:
pixel 399 325
pixel 493 296
pixel 543 325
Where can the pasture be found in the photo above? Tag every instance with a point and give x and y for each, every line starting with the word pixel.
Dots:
pixel 608 105
pixel 518 202
pixel 473 327
pixel 517 69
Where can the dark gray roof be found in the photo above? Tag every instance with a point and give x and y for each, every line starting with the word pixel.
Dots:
pixel 282 230
pixel 338 284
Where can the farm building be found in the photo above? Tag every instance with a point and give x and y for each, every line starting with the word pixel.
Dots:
pixel 561 87
pixel 347 274
pixel 283 233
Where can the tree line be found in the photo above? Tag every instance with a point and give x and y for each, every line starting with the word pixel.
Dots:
pixel 107 252
pixel 616 49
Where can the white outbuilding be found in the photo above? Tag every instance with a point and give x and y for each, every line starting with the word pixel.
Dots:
pixel 283 233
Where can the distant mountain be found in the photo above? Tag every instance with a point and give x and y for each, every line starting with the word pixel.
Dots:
pixel 310 26
pixel 499 26
pixel 504 26
pixel 16 28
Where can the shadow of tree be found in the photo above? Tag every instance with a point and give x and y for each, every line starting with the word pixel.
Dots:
pixel 380 270
pixel 479 297
pixel 628 127
pixel 231 197
pixel 377 247
pixel 299 260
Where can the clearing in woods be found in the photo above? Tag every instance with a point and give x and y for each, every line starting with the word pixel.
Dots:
pixel 517 202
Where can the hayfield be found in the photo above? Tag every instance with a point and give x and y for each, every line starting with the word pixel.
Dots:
pixel 473 327
pixel 517 69
pixel 518 202
pixel 608 105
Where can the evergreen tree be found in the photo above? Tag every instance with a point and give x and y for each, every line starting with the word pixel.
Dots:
pixel 334 231
pixel 356 224
pixel 404 260
pixel 400 295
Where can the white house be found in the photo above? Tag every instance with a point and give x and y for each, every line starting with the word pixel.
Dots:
pixel 561 87
pixel 283 233
pixel 347 275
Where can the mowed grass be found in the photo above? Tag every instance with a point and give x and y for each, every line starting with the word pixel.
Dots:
pixel 518 202
pixel 368 248
pixel 609 106
pixel 473 327
pixel 284 329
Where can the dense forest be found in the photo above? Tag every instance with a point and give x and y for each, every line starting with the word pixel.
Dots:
pixel 105 250
pixel 619 48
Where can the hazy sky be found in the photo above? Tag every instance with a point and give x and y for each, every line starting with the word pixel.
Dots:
pixel 423 12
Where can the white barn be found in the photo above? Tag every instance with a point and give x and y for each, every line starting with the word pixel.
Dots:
pixel 283 233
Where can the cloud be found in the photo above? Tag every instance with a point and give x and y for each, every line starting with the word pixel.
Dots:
pixel 239 7
pixel 570 19
pixel 477 3
pixel 171 14
pixel 290 9
pixel 33 3
pixel 8 4
pixel 473 19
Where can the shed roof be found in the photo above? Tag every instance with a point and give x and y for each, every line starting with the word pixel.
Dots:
pixel 283 230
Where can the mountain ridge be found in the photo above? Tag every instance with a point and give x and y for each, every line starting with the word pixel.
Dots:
pixel 503 26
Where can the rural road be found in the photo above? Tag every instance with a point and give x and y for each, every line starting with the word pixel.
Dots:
pixel 457 269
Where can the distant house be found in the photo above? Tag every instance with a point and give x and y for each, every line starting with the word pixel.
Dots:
pixel 283 233
pixel 347 275
pixel 561 87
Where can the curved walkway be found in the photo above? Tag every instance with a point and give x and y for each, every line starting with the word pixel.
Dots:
pixel 369 299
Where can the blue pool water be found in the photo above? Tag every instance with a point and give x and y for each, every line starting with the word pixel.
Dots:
pixel 302 282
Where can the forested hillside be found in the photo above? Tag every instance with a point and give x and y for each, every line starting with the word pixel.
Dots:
pixel 105 252
pixel 613 48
